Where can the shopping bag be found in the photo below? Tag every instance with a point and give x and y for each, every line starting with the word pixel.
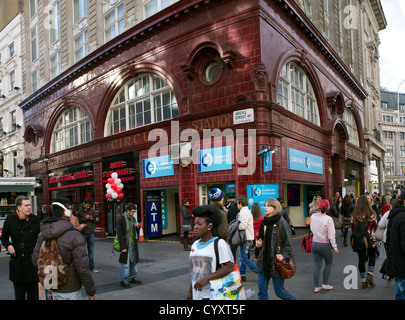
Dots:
pixel 229 287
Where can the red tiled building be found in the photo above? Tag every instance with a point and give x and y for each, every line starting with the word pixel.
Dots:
pixel 193 65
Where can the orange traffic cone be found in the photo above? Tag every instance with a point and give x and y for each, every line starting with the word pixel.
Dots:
pixel 141 236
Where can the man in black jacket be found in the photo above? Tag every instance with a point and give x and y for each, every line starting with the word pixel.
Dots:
pixel 395 265
pixel 23 229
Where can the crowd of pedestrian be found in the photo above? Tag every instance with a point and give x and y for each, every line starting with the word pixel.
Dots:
pixel 265 240
pixel 269 238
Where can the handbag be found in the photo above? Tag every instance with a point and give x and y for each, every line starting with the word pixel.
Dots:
pixel 236 236
pixel 229 287
pixel 286 267
pixel 338 222
pixel 186 227
pixel 306 243
pixel 259 261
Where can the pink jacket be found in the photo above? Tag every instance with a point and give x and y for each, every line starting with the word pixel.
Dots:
pixel 323 229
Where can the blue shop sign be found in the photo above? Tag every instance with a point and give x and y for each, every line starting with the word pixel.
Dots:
pixel 215 159
pixel 302 161
pixel 260 193
pixel 267 161
pixel 157 167
pixel 154 214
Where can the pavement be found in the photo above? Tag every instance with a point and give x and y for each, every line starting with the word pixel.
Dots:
pixel 165 274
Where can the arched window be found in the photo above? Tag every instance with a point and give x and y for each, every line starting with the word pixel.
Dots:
pixel 295 93
pixel 143 100
pixel 73 128
pixel 351 127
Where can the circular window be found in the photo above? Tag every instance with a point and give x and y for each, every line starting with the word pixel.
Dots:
pixel 213 71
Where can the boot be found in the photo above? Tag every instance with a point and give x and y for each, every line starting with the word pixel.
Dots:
pixel 370 279
pixel 364 283
pixel 185 245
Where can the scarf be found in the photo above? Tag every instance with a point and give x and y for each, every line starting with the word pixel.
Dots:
pixel 268 254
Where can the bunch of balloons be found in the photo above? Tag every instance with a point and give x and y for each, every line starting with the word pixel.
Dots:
pixel 114 187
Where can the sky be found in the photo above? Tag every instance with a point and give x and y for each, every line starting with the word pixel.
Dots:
pixel 392 48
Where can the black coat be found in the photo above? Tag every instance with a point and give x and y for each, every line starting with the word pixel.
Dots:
pixel 24 235
pixel 123 238
pixel 395 265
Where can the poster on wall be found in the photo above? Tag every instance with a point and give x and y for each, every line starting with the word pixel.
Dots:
pixel 154 214
pixel 260 193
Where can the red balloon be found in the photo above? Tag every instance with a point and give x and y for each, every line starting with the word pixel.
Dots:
pixel 108 196
pixel 110 180
pixel 120 196
pixel 118 190
pixel 113 186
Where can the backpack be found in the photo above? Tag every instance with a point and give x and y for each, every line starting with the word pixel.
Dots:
pixel 360 239
pixel 306 243
pixel 52 271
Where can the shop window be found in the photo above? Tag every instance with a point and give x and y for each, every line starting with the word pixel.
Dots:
pixel 351 127
pixel 295 93
pixel 73 128
pixel 143 100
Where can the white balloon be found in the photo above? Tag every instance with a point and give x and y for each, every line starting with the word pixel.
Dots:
pixel 121 186
pixel 110 191
pixel 114 175
pixel 117 182
pixel 114 195
pixel 108 186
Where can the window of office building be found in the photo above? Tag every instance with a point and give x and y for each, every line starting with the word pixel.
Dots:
pixel 72 128
pixel 114 22
pixel 351 127
pixel 143 100
pixel 295 93
pixel 79 10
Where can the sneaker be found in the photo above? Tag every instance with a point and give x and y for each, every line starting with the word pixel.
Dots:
pixel 136 281
pixel 317 289
pixel 327 287
pixel 94 270
pixel 125 285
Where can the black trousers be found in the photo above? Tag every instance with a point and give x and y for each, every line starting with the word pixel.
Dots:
pixel 26 291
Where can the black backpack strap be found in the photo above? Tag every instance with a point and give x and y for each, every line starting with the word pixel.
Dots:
pixel 216 252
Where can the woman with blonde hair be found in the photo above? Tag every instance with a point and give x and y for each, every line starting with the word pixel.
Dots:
pixel 275 242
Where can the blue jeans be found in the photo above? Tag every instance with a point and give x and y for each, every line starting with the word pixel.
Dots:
pixel 128 271
pixel 321 251
pixel 244 260
pixel 399 288
pixel 89 239
pixel 278 284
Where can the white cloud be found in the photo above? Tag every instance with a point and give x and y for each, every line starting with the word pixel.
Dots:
pixel 392 48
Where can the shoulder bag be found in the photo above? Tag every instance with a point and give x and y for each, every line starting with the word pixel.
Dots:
pixel 286 268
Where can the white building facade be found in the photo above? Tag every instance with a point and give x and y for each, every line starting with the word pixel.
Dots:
pixel 11 117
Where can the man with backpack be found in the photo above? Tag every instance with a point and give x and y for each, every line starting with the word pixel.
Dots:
pixel 70 244
pixel 395 263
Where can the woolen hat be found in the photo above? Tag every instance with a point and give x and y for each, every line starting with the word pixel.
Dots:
pixel 216 194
